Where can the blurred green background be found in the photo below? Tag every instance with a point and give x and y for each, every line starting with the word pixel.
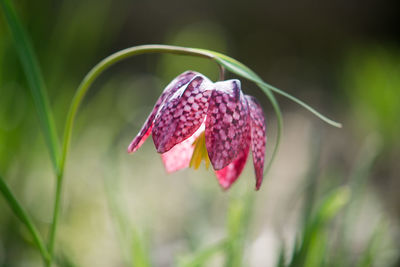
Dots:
pixel 332 197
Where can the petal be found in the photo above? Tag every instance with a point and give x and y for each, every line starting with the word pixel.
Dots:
pixel 180 155
pixel 228 175
pixel 227 123
pixel 171 88
pixel 258 137
pixel 182 114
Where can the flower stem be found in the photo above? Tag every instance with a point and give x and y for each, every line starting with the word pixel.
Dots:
pixel 221 73
pixel 77 100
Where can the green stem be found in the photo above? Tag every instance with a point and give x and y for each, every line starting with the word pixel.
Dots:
pixel 24 217
pixel 77 100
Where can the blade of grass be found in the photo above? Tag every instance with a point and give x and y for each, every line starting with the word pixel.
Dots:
pixel 201 257
pixel 242 70
pixel 23 217
pixel 329 207
pixel 118 218
pixel 358 180
pixel 371 250
pixel 35 81
pixel 133 247
pixel 63 260
pixel 312 176
pixel 281 258
pixel 239 216
pixel 140 253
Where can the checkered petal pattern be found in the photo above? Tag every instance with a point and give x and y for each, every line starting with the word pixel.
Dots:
pixel 231 122
pixel 177 83
pixel 229 174
pixel 182 114
pixel 258 137
pixel 227 123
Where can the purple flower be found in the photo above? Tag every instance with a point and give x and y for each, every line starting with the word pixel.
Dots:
pixel 195 119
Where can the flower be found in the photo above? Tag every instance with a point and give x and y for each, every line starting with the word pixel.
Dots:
pixel 195 119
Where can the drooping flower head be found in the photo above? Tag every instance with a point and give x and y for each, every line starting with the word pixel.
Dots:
pixel 195 119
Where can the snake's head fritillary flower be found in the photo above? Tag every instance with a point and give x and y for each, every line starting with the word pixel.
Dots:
pixel 195 119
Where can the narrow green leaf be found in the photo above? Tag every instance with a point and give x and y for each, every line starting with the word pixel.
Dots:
pixel 312 177
pixel 239 215
pixel 304 105
pixel 201 257
pixel 242 70
pixel 281 258
pixel 23 217
pixel 140 253
pixel 35 80
pixel 357 181
pixel 313 235
pixel 373 245
pixel 63 260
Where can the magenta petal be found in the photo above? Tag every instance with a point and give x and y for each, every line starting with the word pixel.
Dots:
pixel 258 137
pixel 171 88
pixel 181 114
pixel 227 124
pixel 180 155
pixel 142 136
pixel 228 175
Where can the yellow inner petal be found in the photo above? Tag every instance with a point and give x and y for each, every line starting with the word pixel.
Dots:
pixel 200 152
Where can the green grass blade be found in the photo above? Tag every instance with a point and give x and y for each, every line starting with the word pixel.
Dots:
pixel 358 180
pixel 63 260
pixel 201 257
pixel 23 217
pixel 313 236
pixel 304 105
pixel 140 252
pixel 373 246
pixel 312 177
pixel 35 80
pixel 239 216
pixel 240 69
pixel 281 258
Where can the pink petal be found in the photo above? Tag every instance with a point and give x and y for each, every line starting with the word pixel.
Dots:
pixel 182 114
pixel 258 138
pixel 227 124
pixel 171 88
pixel 180 155
pixel 228 175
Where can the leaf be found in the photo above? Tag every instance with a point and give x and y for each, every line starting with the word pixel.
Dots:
pixel 314 238
pixel 242 70
pixel 140 252
pixel 201 257
pixel 281 258
pixel 23 217
pixel 239 216
pixel 35 81
pixel 373 245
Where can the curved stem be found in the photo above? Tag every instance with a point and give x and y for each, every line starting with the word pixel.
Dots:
pixel 77 100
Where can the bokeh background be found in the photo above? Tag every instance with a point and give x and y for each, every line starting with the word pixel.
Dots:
pixel 342 57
